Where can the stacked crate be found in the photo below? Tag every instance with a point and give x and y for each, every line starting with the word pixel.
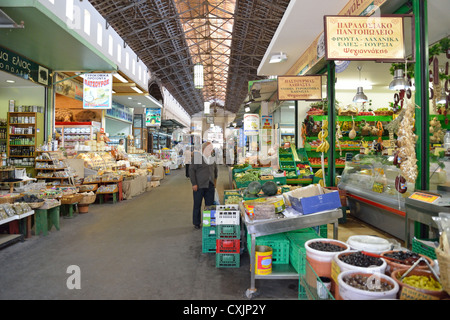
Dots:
pixel 209 230
pixel 228 233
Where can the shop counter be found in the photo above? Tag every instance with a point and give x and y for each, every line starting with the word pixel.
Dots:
pixel 273 226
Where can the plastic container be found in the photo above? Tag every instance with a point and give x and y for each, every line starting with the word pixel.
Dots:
pixel 320 261
pixel 369 243
pixel 348 292
pixel 348 267
pixel 339 266
pixel 408 292
pixel 392 265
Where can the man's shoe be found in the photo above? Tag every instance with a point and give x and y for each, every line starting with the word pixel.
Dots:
pixel 197 226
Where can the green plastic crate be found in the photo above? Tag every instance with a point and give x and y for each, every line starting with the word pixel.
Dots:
pixel 279 244
pixel 297 249
pixel 422 248
pixel 228 260
pixel 228 231
pixel 209 239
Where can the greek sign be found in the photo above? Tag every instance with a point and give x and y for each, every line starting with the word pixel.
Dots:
pixel 22 67
pixel 97 91
pixel 299 88
pixel 364 38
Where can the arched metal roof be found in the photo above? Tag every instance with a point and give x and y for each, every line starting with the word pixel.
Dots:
pixel 228 37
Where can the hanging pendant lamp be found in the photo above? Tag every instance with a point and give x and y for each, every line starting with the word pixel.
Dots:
pixel 360 96
pixel 399 82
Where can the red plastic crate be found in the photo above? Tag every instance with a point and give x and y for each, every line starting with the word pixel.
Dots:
pixel 228 246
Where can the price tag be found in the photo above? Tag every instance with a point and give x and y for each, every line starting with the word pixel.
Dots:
pixel 425 197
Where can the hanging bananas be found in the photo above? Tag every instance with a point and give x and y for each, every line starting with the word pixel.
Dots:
pixel 323 134
pixel 319 173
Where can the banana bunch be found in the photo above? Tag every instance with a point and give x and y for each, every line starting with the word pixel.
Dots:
pixel 323 134
pixel 319 173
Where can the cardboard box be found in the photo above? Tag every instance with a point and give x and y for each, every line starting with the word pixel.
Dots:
pixel 314 200
pixel 209 217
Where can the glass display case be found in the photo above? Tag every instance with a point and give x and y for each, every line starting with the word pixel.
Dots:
pixel 370 185
pixel 76 133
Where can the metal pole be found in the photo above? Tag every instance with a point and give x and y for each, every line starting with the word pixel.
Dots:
pixel 331 96
pixel 296 124
pixel 421 98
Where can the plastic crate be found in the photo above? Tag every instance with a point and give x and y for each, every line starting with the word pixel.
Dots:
pixel 422 248
pixel 228 231
pixel 228 260
pixel 228 245
pixel 297 249
pixel 227 217
pixel 279 244
pixel 209 239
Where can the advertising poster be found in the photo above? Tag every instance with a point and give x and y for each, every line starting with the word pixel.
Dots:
pixel 97 91
pixel 251 124
pixel 153 117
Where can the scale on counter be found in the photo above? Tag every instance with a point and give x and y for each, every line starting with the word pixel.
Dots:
pixel 441 199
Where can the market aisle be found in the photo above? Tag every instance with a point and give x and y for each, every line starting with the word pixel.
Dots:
pixel 143 248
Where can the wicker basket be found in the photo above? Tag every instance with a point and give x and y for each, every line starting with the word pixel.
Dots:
pixel 36 205
pixel 444 263
pixel 89 199
pixel 10 199
pixel 71 199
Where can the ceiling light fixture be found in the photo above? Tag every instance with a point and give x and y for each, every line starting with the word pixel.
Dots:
pixel 120 78
pixel 399 82
pixel 247 109
pixel 278 57
pixel 360 96
pixel 137 89
pixel 10 81
pixel 198 76
pixel 207 106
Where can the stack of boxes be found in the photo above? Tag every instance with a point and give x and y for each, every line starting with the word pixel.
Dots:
pixel 228 234
pixel 209 230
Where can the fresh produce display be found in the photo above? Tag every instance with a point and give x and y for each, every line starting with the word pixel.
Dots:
pixel 233 200
pixel 254 187
pixel 317 161
pixel 323 134
pixel 383 112
pixel 359 259
pixel 291 175
pixel 363 282
pixel 422 282
pixel 407 142
pixel 269 188
pixel 284 151
pixel 240 166
pixel 326 246
pixel 249 175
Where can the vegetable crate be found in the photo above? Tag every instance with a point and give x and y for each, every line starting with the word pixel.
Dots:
pixel 209 239
pixel 421 248
pixel 279 244
pixel 227 260
pixel 228 246
pixel 227 214
pixel 228 231
pixel 297 249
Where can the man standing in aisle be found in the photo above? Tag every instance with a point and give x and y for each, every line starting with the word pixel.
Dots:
pixel 203 175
